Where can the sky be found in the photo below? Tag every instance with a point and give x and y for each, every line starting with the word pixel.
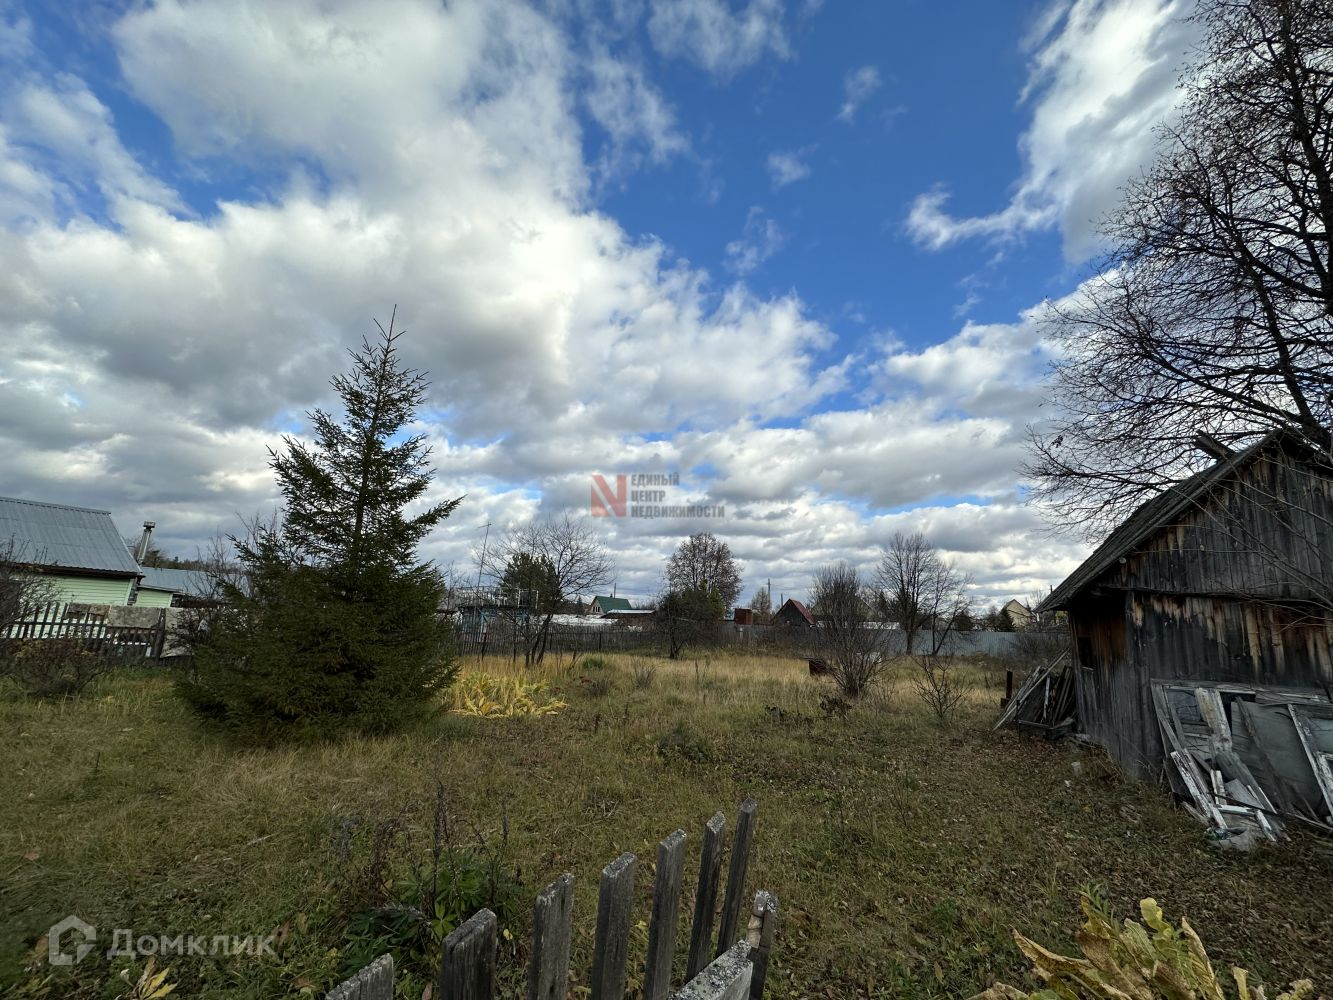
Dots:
pixel 794 253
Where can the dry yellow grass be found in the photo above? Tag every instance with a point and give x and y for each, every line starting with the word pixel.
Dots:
pixel 902 853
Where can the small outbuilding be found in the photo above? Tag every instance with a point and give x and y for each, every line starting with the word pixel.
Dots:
pixel 1201 631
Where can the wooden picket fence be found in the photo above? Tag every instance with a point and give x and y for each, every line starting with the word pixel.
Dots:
pixel 89 629
pixel 734 968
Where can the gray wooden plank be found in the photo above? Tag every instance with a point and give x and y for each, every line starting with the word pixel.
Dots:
pixel 467 959
pixel 705 898
pixel 1323 774
pixel 548 973
pixel 611 946
pixel 759 936
pixel 666 909
pixel 740 859
pixel 728 978
pixel 374 982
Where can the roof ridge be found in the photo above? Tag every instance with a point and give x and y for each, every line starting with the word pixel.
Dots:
pixel 58 506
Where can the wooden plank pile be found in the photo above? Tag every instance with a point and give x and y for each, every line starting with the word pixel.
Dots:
pixel 1247 761
pixel 733 969
pixel 1045 701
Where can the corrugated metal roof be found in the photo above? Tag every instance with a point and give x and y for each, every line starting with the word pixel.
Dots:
pixel 1153 515
pixel 194 582
pixel 49 534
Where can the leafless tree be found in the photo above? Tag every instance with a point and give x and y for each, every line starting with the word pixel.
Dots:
pixel 704 563
pixel 1214 311
pixel 921 590
pixel 21 588
pixel 578 559
pixel 851 637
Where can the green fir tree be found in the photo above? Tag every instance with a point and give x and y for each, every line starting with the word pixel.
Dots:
pixel 334 624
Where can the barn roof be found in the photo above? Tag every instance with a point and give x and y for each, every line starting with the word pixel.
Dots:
pixel 612 603
pixel 1151 517
pixel 53 535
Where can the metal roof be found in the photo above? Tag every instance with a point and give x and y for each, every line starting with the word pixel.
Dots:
pixel 1152 516
pixel 53 535
pixel 194 582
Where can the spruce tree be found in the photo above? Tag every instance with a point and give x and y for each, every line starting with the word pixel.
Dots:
pixel 334 624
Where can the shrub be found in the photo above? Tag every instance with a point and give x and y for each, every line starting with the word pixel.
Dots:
pixel 1160 960
pixel 406 905
pixel 939 685
pixel 502 697
pixel 645 675
pixel 683 742
pixel 51 668
pixel 596 663
pixel 598 686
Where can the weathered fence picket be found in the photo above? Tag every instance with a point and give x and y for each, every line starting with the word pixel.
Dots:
pixel 728 978
pixel 611 945
pixel 666 907
pixel 467 965
pixel 705 898
pixel 552 917
pixel 740 859
pixel 374 982
pixel 759 936
pixel 468 954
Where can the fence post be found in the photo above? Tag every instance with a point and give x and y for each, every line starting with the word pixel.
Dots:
pixel 740 858
pixel 611 946
pixel 666 905
pixel 705 899
pixel 728 978
pixel 548 975
pixel 467 961
pixel 759 936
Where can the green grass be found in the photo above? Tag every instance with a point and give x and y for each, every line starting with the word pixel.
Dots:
pixel 902 853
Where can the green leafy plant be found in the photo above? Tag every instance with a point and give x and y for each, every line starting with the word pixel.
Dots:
pixel 1152 960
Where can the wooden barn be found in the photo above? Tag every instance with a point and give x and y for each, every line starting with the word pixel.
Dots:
pixel 1217 591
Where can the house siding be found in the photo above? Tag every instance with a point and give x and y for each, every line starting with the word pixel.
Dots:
pixel 88 589
pixel 150 598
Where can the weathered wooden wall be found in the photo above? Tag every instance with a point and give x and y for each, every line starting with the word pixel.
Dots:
pixel 1265 532
pixel 1123 641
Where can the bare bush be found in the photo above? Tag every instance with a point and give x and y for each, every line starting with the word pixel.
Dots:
pixel 852 642
pixel 52 668
pixel 940 685
pixel 645 675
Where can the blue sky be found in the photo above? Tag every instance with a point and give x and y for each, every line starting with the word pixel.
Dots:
pixel 797 252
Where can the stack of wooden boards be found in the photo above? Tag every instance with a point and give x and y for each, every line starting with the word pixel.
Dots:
pixel 1045 700
pixel 1247 760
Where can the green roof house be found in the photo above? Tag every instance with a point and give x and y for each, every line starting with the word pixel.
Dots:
pixel 601 605
pixel 76 550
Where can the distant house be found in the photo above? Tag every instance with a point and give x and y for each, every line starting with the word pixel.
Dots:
pixel 601 605
pixel 794 614
pixel 77 551
pixel 168 588
pixel 1020 614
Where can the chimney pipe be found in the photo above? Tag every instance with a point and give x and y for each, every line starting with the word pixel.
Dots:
pixel 141 550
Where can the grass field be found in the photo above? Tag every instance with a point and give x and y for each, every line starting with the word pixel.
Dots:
pixel 902 853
